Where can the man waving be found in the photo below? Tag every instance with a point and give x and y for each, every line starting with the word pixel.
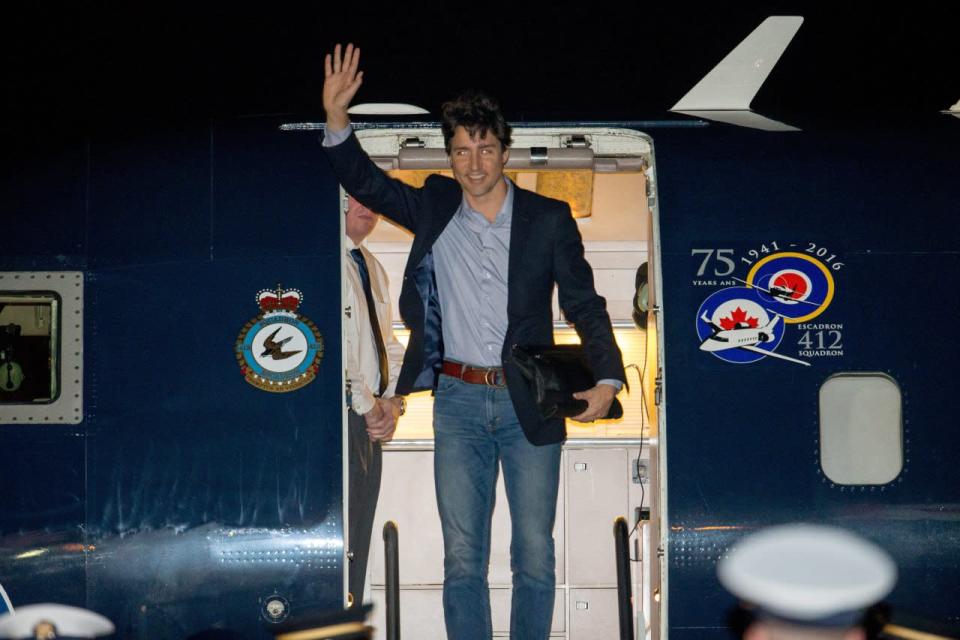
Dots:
pixel 486 255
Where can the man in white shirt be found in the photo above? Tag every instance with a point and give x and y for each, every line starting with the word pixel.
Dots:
pixel 373 358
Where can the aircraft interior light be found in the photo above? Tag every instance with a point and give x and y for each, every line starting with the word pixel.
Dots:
pixel 573 187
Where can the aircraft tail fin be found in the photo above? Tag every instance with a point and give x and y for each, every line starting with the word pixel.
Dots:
pixel 726 92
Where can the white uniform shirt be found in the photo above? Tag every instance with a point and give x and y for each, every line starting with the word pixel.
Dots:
pixel 360 356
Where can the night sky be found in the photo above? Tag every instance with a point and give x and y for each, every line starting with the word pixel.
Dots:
pixel 89 66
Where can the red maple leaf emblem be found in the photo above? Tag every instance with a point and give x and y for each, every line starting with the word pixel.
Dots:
pixel 738 319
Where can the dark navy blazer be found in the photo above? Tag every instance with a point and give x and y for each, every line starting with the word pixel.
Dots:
pixel 545 248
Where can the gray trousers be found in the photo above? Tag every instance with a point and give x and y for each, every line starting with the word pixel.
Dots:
pixel 365 467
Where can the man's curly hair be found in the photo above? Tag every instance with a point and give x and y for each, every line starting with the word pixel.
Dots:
pixel 476 112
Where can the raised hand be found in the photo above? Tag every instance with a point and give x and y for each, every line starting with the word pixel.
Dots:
pixel 341 80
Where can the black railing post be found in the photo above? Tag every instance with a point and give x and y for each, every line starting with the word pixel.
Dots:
pixel 391 554
pixel 624 590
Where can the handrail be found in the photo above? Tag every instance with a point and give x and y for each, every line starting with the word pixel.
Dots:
pixel 391 554
pixel 624 591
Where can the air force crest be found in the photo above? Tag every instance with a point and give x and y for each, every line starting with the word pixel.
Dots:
pixel 279 350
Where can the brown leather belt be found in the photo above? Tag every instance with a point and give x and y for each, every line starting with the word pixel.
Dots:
pixel 490 376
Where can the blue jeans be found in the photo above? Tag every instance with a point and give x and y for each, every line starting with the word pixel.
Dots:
pixel 475 427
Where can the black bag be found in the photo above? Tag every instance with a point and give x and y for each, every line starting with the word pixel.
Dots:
pixel 554 373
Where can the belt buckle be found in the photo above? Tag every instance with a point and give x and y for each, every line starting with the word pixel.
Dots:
pixel 490 378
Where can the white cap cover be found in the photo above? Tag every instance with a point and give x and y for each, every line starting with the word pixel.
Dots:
pixel 69 621
pixel 807 572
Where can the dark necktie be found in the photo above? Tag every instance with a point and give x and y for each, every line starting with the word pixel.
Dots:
pixel 374 323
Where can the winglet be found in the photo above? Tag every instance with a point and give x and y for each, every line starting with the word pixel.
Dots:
pixel 734 82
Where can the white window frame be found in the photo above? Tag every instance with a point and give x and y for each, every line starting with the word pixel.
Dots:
pixel 67 407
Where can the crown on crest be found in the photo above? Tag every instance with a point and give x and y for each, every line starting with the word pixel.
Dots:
pixel 279 299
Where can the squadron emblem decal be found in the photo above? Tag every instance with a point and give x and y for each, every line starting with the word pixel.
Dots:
pixel 767 311
pixel 279 350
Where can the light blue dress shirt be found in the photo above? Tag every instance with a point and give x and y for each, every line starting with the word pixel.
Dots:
pixel 472 257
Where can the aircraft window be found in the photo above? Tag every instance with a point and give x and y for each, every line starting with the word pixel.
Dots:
pixel 29 326
pixel 861 429
pixel 41 347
